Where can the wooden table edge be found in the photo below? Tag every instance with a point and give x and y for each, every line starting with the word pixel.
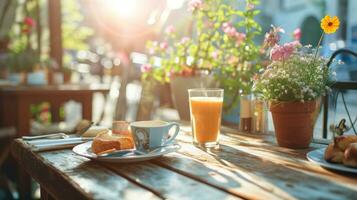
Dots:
pixel 20 152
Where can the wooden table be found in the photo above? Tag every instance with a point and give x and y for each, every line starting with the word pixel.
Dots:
pixel 15 102
pixel 246 166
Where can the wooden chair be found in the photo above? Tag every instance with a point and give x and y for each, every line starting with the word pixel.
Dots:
pixel 6 137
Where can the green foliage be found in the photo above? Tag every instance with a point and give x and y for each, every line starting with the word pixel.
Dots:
pixel 74 32
pixel 23 61
pixel 301 77
pixel 22 57
pixel 230 53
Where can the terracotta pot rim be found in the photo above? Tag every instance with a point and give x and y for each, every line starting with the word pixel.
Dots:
pixel 292 106
pixel 282 102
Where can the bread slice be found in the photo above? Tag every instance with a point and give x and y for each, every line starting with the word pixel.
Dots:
pixel 94 131
pixel 351 155
pixel 343 141
pixel 107 142
pixel 333 154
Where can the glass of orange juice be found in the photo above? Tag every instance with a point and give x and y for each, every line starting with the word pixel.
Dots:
pixel 206 111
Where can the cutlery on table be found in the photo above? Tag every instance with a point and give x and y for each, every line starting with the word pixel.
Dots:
pixel 79 129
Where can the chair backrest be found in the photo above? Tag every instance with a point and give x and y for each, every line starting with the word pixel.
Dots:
pixel 338 85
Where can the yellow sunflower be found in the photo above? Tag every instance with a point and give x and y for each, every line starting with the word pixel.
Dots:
pixel 330 24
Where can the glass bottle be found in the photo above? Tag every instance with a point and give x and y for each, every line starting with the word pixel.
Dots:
pixel 245 122
pixel 260 116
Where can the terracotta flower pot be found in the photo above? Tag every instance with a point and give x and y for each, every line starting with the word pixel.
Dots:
pixel 293 123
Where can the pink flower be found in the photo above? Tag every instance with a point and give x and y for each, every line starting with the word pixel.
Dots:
pixel 214 54
pixel 151 51
pixel 240 37
pixel 170 30
pixel 28 24
pixel 146 68
pixel 171 73
pixel 209 24
pixel 294 44
pixel 232 60
pixel 229 29
pixel 250 6
pixel 164 45
pixel 255 77
pixel 184 40
pixel 297 34
pixel 272 37
pixel 153 47
pixel 226 25
pixel 279 52
pixel 29 21
pixel 194 5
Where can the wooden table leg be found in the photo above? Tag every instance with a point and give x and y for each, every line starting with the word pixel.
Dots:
pixel 24 184
pixel 55 111
pixel 87 107
pixel 23 117
pixel 23 128
pixel 45 195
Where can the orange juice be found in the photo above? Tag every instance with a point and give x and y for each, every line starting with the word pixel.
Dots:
pixel 206 118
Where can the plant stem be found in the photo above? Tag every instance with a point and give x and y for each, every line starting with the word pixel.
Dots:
pixel 318 45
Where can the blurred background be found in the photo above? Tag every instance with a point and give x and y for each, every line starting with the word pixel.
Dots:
pixel 102 44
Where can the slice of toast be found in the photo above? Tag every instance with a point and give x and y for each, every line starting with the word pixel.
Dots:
pixel 107 142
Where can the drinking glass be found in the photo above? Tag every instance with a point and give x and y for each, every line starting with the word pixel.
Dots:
pixel 205 112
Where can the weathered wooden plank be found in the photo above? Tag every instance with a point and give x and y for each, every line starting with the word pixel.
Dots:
pixel 264 146
pixel 169 184
pixel 242 172
pixel 65 175
pixel 235 181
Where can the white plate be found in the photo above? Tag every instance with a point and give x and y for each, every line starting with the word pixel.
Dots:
pixel 85 151
pixel 317 156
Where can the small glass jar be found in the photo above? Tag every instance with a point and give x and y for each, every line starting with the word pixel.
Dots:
pixel 121 128
pixel 245 122
pixel 260 116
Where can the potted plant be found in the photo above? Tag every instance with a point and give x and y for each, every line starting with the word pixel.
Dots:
pixel 15 68
pixel 24 61
pixel 35 68
pixel 292 83
pixel 221 52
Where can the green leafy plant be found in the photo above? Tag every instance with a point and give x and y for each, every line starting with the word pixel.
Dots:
pixel 23 61
pixel 222 43
pixel 75 33
pixel 22 56
pixel 295 74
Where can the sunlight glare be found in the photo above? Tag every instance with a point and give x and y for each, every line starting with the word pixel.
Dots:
pixel 174 4
pixel 121 8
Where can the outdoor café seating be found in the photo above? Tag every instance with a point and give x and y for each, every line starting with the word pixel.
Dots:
pixel 178 99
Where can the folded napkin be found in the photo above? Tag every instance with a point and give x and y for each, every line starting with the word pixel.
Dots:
pixel 53 144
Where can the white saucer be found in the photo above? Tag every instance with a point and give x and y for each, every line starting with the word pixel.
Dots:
pixel 85 151
pixel 317 157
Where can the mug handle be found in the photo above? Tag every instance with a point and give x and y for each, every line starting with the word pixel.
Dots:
pixel 172 124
